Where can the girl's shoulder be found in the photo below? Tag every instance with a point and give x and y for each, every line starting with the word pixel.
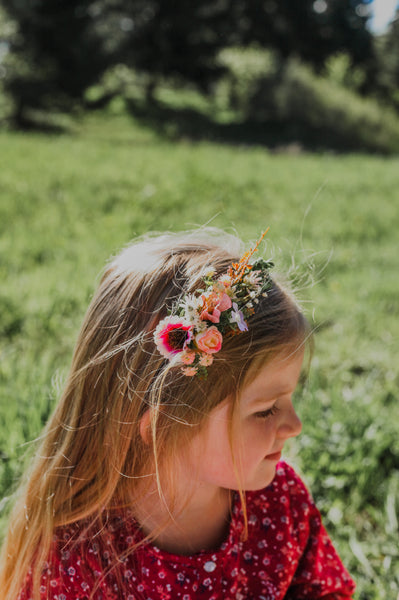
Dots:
pixel 284 518
pixel 286 501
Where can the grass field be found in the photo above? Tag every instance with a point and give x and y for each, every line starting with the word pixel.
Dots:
pixel 68 202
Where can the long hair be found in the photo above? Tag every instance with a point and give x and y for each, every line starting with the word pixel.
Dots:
pixel 92 458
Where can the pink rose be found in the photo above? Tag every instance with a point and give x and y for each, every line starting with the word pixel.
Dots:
pixel 225 302
pixel 210 341
pixel 215 304
pixel 214 316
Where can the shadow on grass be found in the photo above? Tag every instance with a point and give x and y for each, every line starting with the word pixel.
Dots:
pixel 277 135
pixel 34 125
pixel 177 123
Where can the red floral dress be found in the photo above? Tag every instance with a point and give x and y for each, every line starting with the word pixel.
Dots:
pixel 288 554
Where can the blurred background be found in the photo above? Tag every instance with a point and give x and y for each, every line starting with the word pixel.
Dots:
pixel 117 118
pixel 319 73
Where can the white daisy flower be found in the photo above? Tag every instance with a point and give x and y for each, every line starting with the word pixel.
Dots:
pixel 208 272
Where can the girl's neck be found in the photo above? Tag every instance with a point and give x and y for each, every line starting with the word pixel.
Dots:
pixel 201 524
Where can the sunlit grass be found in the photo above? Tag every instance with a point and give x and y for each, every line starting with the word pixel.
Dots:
pixel 68 202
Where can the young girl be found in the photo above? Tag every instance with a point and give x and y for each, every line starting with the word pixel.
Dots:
pixel 159 474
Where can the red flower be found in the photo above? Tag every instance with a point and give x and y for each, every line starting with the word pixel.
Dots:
pixel 172 336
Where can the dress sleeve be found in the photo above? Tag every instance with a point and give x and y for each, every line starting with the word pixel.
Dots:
pixel 320 572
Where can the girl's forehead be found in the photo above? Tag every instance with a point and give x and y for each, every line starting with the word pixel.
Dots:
pixel 277 377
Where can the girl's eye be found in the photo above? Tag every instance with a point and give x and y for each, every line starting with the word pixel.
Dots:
pixel 267 413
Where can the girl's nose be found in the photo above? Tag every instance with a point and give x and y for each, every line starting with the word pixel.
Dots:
pixel 291 426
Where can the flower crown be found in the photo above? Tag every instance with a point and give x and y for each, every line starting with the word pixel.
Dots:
pixel 194 330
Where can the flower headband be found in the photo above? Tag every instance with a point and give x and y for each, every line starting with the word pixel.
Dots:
pixel 195 329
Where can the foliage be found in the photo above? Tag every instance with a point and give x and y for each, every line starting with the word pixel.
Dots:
pixel 263 88
pixel 179 40
pixel 340 69
pixel 69 202
pixel 387 75
pixel 361 485
pixel 59 49
pixel 56 50
pixel 310 30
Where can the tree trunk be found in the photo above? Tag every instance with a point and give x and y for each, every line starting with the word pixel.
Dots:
pixel 150 91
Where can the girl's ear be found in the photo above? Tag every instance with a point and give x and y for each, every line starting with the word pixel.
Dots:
pixel 145 427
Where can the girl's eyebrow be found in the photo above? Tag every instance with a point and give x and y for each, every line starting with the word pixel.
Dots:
pixel 260 402
pixel 269 397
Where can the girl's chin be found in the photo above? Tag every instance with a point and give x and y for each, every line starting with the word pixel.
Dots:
pixel 274 457
pixel 261 483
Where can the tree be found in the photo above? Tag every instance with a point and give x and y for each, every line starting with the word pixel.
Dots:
pixel 61 47
pixel 182 39
pixel 55 53
pixel 387 77
pixel 311 30
pixel 178 40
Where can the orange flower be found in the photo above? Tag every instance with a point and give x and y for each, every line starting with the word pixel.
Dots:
pixel 187 357
pixel 237 270
pixel 206 360
pixel 189 371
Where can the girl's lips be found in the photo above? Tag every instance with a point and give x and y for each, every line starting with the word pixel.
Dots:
pixel 275 456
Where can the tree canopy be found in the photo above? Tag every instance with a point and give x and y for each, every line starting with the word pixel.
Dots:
pixel 62 47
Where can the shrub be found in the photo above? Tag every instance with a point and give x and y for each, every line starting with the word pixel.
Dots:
pixel 315 109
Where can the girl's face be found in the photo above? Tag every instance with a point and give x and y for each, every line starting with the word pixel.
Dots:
pixel 266 418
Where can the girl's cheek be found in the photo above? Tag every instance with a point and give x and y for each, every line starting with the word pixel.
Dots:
pixel 255 432
pixel 260 427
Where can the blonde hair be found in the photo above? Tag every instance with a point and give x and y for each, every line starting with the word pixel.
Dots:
pixel 92 457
